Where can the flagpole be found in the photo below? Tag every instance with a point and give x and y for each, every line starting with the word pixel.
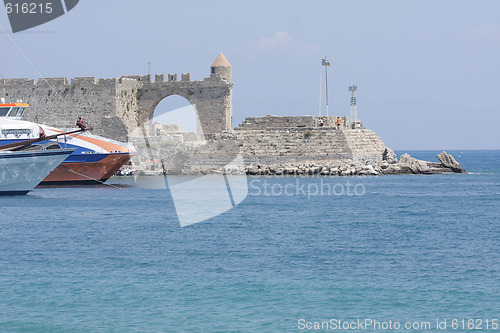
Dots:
pixel 326 86
pixel 320 86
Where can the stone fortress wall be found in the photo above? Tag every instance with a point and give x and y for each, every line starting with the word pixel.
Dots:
pixel 271 144
pixel 270 121
pixel 301 138
pixel 58 102
pixel 116 107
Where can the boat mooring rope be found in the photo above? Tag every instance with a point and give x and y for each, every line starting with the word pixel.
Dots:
pixel 97 180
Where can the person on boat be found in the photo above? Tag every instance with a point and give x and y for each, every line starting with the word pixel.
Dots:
pixel 338 122
pixel 42 133
pixel 81 123
pixel 320 123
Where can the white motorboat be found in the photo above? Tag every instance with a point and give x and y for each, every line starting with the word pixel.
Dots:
pixel 21 171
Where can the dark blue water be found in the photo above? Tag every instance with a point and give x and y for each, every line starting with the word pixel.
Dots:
pixel 399 248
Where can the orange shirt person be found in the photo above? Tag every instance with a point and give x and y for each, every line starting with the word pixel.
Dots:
pixel 338 122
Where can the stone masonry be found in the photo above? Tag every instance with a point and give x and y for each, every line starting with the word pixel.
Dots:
pixel 122 109
pixel 270 121
pixel 269 143
pixel 115 107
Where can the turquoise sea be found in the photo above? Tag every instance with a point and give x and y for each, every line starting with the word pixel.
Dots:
pixel 400 249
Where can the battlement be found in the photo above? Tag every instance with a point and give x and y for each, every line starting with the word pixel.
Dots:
pixel 159 78
pixel 174 78
pixel 115 106
pixel 141 78
pixel 13 83
pixel 84 81
pixel 270 121
pixel 52 82
pixel 55 82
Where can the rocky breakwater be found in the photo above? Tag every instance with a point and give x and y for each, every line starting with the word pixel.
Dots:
pixel 388 166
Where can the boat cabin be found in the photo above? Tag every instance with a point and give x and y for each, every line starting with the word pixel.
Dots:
pixel 13 110
pixel 11 125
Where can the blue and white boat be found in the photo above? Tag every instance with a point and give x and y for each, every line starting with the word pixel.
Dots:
pixel 94 160
pixel 21 171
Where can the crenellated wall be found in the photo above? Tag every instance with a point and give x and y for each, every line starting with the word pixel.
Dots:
pixel 58 102
pixel 115 107
pixel 270 121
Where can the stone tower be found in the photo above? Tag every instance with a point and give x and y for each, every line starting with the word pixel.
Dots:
pixel 223 68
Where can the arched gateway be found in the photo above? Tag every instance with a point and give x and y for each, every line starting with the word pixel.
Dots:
pixel 211 97
pixel 115 107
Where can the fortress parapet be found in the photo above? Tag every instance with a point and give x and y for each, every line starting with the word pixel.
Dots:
pixel 17 83
pixel 84 81
pixel 142 78
pixel 53 82
pixel 270 121
pixel 114 107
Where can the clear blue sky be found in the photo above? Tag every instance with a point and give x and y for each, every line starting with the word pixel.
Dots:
pixel 428 72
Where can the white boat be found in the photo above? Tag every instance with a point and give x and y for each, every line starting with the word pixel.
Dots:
pixel 93 162
pixel 21 171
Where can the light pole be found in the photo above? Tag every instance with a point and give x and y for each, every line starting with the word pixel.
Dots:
pixel 354 111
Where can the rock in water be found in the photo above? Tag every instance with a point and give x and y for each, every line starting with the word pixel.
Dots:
pixel 252 171
pixel 449 161
pixel 390 156
pixel 406 162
